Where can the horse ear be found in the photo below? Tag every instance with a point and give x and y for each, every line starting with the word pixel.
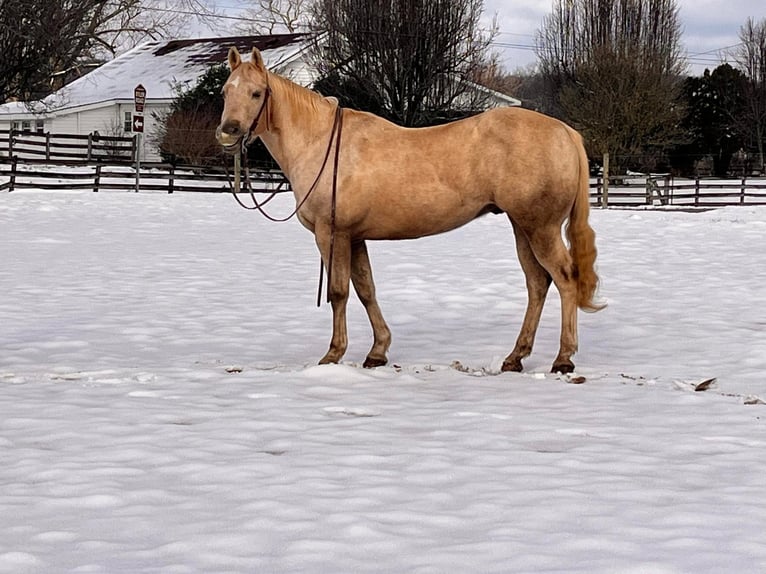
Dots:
pixel 257 60
pixel 234 59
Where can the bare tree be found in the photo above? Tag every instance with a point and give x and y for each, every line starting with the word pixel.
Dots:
pixel 276 16
pixel 408 60
pixel 44 39
pixel 614 68
pixel 750 57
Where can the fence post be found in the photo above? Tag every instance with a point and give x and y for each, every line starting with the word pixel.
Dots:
pixel 696 191
pixel 10 142
pixel 599 196
pixel 12 179
pixel 668 190
pixel 605 190
pixel 170 178
pixel 649 183
pixel 742 190
pixel 90 146
pixel 47 146
pixel 97 178
pixel 138 161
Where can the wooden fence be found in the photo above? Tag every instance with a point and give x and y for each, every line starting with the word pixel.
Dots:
pixel 635 191
pixel 18 174
pixel 66 147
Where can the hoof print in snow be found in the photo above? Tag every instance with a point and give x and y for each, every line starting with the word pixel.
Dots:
pixel 461 368
pixel 274 452
pixel 349 412
pixel 458 366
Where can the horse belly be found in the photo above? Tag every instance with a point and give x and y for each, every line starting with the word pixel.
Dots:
pixel 410 218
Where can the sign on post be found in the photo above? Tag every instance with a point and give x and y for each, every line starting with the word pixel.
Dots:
pixel 139 99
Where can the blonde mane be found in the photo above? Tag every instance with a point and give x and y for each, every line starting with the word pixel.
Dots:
pixel 295 96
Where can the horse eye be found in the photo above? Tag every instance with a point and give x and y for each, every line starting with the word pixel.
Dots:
pixel 256 94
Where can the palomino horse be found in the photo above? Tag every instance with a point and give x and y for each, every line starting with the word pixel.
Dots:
pixel 390 182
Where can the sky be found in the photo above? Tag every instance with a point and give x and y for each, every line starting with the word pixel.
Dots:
pixel 709 27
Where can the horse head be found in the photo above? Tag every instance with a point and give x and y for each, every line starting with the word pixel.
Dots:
pixel 246 94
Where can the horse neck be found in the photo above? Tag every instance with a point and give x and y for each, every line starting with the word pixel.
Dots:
pixel 301 123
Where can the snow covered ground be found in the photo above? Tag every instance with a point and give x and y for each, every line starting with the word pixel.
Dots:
pixel 161 412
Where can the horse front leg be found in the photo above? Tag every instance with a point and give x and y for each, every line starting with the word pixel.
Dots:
pixel 338 289
pixel 361 276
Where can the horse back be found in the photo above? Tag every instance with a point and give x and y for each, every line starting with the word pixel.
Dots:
pixel 410 182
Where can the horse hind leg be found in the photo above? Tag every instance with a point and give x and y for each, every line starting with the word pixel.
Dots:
pixel 538 282
pixel 549 249
pixel 361 276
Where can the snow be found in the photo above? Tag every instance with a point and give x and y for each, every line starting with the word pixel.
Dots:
pixel 161 410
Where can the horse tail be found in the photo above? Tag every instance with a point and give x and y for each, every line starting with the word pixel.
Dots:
pixel 582 238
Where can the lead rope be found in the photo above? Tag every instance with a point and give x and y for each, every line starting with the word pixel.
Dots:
pixel 335 133
pixel 333 204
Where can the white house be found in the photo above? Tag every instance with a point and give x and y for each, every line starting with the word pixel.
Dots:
pixel 103 100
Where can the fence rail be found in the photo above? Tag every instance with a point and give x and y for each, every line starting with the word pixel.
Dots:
pixel 19 173
pixel 67 147
pixel 636 191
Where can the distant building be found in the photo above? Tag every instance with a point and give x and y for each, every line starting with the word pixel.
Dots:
pixel 102 100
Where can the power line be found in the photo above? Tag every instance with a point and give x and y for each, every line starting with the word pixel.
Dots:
pixel 695 58
pixel 725 48
pixel 205 16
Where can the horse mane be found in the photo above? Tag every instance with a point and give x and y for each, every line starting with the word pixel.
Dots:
pixel 296 96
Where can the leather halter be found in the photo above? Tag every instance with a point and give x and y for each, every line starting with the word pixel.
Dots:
pixel 250 137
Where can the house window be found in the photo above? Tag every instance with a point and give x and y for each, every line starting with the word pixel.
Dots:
pixel 21 126
pixel 127 124
pixel 40 126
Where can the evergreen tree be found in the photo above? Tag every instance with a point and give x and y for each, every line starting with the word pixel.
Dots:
pixel 187 132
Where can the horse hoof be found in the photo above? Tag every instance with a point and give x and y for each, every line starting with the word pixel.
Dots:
pixel 563 368
pixel 328 360
pixel 512 365
pixel 372 362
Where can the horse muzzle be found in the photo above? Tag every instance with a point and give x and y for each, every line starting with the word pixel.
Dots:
pixel 230 140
